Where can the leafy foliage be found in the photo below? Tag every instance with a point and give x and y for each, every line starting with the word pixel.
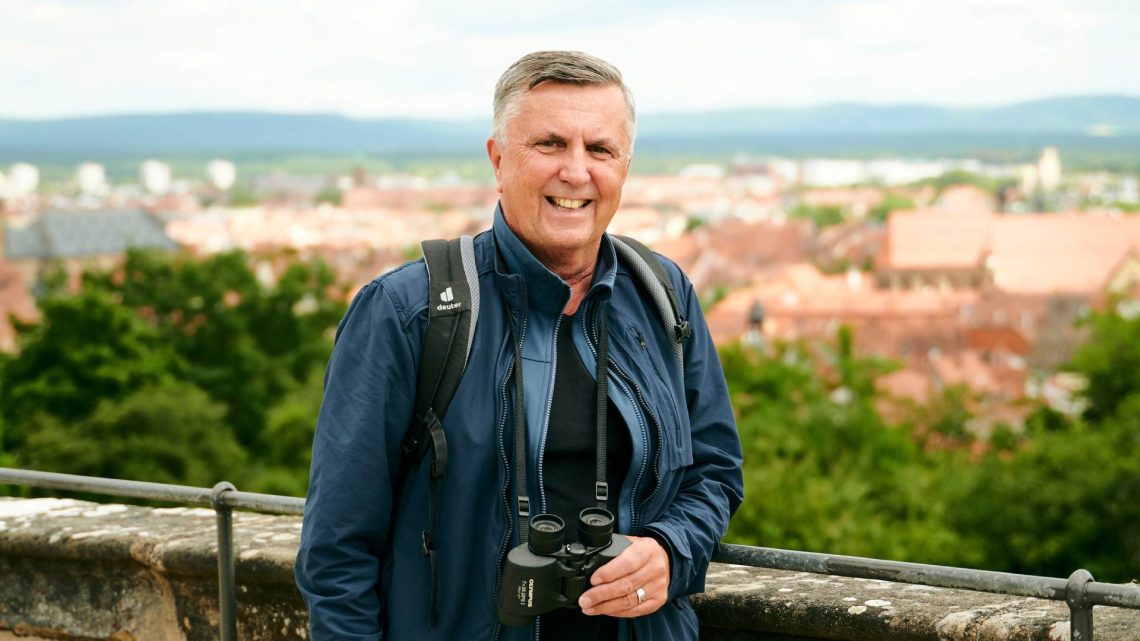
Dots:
pixel 244 343
pixel 86 349
pixel 138 349
pixel 822 216
pixel 1110 361
pixel 171 433
pixel 829 473
pixel 1067 500
pixel 891 202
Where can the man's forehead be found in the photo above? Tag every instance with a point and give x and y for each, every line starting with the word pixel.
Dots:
pixel 600 109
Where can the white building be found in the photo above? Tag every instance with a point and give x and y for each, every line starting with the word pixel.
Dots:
pixel 155 177
pixel 1028 180
pixel 92 179
pixel 829 172
pixel 1049 170
pixel 702 170
pixel 23 179
pixel 1130 190
pixel 896 171
pixel 222 174
pixel 784 168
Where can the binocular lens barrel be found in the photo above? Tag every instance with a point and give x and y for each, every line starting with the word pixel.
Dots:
pixel 595 525
pixel 546 534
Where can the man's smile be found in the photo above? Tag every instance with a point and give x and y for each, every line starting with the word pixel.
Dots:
pixel 567 203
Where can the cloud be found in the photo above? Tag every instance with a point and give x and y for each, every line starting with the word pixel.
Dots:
pixel 403 57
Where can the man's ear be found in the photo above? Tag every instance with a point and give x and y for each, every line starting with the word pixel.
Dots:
pixel 496 156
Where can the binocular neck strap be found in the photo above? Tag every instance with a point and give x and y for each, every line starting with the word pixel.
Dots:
pixel 520 431
pixel 601 488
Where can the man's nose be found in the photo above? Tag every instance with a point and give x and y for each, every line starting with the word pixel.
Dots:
pixel 575 168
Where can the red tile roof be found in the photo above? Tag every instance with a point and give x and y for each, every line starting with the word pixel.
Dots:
pixel 936 239
pixel 1027 254
pixel 1063 253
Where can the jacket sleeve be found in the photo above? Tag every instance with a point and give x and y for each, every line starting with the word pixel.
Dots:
pixel 367 405
pixel 713 486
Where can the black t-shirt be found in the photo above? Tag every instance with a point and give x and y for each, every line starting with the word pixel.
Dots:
pixel 569 471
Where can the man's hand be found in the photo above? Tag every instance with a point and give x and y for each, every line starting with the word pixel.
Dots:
pixel 643 565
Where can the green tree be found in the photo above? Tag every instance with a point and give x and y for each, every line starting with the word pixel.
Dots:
pixel 822 216
pixel 329 195
pixel 170 433
pixel 245 343
pixel 1110 361
pixel 285 452
pixel 822 471
pixel 1066 500
pixel 84 349
pixel 1067 495
pixel 891 202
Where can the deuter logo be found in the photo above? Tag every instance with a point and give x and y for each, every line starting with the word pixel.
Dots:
pixel 447 296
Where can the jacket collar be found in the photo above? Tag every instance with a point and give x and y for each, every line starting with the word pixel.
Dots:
pixel 546 291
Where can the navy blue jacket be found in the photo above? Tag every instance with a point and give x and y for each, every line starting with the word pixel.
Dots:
pixel 362 578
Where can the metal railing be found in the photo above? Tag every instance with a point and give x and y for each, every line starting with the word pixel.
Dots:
pixel 1080 591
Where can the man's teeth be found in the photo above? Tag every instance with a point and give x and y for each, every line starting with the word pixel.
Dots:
pixel 568 203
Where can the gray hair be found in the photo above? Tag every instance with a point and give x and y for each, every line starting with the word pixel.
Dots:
pixel 570 67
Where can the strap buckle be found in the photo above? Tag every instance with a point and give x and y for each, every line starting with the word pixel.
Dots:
pixel 601 491
pixel 524 507
pixel 682 330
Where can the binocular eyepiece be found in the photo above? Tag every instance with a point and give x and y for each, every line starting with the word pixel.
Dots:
pixel 548 531
pixel 546 573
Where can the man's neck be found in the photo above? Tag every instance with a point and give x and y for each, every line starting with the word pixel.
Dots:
pixel 577 272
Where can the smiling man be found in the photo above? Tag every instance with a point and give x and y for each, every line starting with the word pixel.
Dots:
pixel 535 425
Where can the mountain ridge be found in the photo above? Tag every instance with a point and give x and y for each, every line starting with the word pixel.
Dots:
pixel 233 131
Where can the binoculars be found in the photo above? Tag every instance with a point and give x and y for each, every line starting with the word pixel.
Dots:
pixel 545 573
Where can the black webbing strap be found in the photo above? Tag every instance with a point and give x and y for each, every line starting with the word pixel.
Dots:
pixel 680 329
pixel 601 488
pixel 520 433
pixel 446 341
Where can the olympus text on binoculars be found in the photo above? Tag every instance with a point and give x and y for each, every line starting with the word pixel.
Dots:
pixel 545 574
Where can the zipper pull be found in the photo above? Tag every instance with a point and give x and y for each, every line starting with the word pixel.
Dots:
pixel 641 339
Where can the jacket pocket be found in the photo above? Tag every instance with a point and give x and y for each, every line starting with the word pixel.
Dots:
pixel 677 447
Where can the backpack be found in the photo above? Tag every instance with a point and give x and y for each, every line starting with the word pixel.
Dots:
pixel 453 314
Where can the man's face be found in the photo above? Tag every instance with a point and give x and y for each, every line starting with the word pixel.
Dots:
pixel 561 167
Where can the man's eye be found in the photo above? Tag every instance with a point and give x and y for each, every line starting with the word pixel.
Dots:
pixel 598 149
pixel 548 143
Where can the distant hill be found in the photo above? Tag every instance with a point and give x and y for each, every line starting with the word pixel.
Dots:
pixel 837 126
pixel 1116 115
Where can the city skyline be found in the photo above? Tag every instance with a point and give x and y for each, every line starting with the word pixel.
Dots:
pixel 62 58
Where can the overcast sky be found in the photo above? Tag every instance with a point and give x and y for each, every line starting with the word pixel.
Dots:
pixel 432 59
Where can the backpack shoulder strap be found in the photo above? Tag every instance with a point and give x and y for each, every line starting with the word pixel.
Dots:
pixel 453 314
pixel 652 275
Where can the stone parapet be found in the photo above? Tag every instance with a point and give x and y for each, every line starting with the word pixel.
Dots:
pixel 77 570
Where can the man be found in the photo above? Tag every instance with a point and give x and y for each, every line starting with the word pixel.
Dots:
pixel 551 286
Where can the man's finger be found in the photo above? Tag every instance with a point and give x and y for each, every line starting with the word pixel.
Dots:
pixel 629 561
pixel 618 596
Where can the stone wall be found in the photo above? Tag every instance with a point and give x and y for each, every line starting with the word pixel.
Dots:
pixel 76 570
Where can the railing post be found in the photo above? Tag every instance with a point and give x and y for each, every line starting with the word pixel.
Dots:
pixel 1080 610
pixel 227 593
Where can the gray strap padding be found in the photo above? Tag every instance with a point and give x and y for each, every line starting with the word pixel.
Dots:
pixel 467 251
pixel 648 278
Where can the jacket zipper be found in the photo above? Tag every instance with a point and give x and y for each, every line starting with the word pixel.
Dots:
pixel 546 418
pixel 506 489
pixel 512 516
